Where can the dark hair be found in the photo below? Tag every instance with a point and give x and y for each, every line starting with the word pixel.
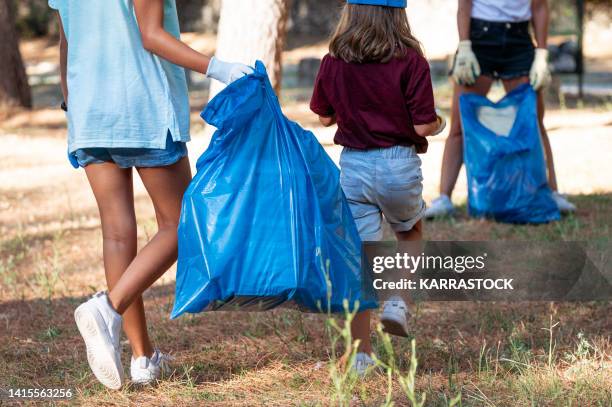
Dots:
pixel 372 34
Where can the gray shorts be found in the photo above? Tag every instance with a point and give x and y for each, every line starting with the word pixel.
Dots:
pixel 383 181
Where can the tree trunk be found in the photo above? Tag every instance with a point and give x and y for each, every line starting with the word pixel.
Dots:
pixel 251 30
pixel 14 88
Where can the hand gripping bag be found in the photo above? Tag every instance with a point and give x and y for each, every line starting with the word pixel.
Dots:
pixel 264 221
pixel 504 159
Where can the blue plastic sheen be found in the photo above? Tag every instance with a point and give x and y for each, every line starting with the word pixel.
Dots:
pixel 387 3
pixel 264 221
pixel 506 173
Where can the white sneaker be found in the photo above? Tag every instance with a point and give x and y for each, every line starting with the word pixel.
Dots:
pixel 362 363
pixel 563 204
pixel 100 327
pixel 145 370
pixel 394 317
pixel 441 206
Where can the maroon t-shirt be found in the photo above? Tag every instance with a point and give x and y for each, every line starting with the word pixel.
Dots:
pixel 376 105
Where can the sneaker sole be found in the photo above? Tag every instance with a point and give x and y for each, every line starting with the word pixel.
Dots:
pixel 143 382
pixel 101 359
pixel 394 327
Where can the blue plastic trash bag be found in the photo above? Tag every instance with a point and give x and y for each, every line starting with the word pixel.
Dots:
pixel 264 220
pixel 504 159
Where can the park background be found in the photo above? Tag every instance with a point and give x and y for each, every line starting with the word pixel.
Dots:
pixel 490 354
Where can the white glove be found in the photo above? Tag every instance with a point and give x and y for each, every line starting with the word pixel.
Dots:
pixel 465 67
pixel 227 72
pixel 539 76
pixel 442 126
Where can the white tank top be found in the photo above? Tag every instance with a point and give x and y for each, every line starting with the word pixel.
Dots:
pixel 502 10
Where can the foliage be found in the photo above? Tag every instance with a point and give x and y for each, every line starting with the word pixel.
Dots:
pixel 34 17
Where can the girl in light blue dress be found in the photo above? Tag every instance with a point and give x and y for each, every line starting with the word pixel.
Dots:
pixel 127 107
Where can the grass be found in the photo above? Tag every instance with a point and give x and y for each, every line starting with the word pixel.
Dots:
pixel 521 354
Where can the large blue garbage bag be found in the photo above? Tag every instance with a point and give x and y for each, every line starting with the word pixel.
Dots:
pixel 264 221
pixel 504 159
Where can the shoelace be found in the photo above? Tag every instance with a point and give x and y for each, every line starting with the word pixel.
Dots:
pixel 116 341
pixel 163 360
pixel 396 304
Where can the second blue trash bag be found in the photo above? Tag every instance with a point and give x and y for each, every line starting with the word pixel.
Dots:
pixel 264 220
pixel 504 160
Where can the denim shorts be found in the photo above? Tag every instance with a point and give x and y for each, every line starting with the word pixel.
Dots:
pixel 131 157
pixel 383 181
pixel 503 50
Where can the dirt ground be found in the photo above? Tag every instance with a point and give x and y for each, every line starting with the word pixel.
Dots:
pixel 493 354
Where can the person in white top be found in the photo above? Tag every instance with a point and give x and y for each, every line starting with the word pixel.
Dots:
pixel 123 81
pixel 504 11
pixel 496 44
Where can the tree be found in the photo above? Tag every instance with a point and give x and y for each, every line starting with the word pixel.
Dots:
pixel 251 30
pixel 14 88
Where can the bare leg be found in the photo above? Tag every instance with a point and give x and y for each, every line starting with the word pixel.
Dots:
pixel 112 187
pixel 166 186
pixel 452 158
pixel 413 235
pixel 550 164
pixel 360 329
pixel 414 249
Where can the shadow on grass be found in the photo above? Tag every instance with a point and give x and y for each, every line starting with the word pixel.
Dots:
pixel 209 347
pixel 592 221
pixel 39 343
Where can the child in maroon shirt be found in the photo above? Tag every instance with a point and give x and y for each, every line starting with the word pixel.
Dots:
pixel 376 85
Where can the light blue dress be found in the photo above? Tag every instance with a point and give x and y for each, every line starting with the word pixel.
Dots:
pixel 120 95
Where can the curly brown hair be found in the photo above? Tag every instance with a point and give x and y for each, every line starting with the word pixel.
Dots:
pixel 372 34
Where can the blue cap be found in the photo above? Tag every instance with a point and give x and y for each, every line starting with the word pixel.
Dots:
pixel 387 3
